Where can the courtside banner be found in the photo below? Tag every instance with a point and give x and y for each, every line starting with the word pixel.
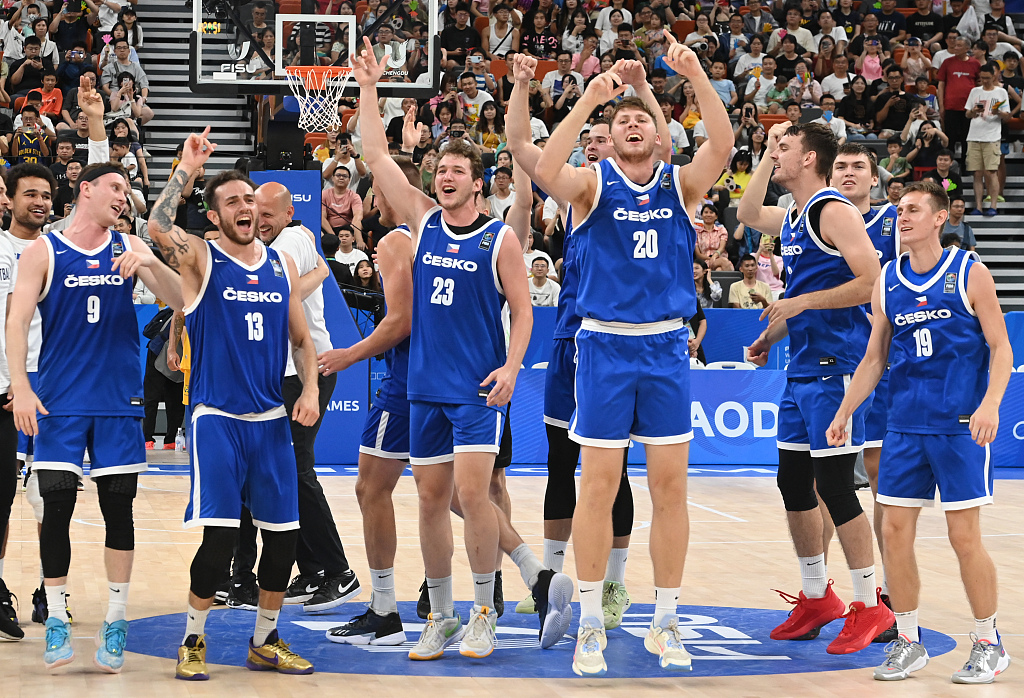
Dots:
pixel 338 440
pixel 1008 448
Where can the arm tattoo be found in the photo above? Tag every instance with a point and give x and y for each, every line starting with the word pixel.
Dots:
pixel 171 240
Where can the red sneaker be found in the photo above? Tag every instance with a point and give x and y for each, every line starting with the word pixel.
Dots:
pixel 809 616
pixel 862 626
pixel 169 447
pixel 150 445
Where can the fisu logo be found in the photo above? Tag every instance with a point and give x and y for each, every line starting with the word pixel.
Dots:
pixel 302 198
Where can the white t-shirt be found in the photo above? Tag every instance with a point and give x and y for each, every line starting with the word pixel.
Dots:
pixel 499 205
pixel 471 107
pixel 699 131
pixel 604 23
pixel 832 85
pixel 108 17
pixel 297 244
pixel 759 87
pixel 837 125
pixel 987 128
pixel 747 62
pixel 538 129
pixel 528 257
pixel 35 328
pixel 351 259
pixel 8 263
pixel 546 295
pixel 838 34
pixel 678 133
pixel 939 57
pixel 803 38
pixel 552 77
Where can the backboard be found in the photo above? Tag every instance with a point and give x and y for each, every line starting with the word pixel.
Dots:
pixel 236 51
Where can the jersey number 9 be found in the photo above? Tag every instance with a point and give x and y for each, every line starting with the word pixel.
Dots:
pixel 646 244
pixel 92 309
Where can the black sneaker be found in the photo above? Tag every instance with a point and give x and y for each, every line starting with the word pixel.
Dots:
pixel 303 587
pixel 552 594
pixel 39 610
pixel 245 596
pixel 335 591
pixel 9 629
pixel 892 633
pixel 220 597
pixel 499 596
pixel 370 628
pixel 423 604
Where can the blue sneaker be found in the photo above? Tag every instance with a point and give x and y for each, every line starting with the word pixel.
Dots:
pixel 111 640
pixel 58 644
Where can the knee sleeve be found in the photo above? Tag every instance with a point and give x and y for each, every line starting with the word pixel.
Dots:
pixel 560 493
pixel 622 509
pixel 836 487
pixel 210 565
pixel 796 480
pixel 33 497
pixel 116 493
pixel 277 559
pixel 59 491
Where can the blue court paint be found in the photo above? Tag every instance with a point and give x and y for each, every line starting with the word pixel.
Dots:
pixel 723 642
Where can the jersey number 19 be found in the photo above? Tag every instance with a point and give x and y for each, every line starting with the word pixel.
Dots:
pixel 923 337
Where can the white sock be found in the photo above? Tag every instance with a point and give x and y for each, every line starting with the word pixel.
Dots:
pixel 554 554
pixel 665 602
pixel 615 571
pixel 814 576
pixel 906 625
pixel 383 600
pixel 55 604
pixel 591 612
pixel 483 590
pixel 41 575
pixel 864 588
pixel 266 623
pixel 440 592
pixel 528 564
pixel 1 568
pixel 985 629
pixel 195 622
pixel 885 583
pixel 117 609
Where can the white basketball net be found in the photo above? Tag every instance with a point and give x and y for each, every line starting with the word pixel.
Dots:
pixel 318 94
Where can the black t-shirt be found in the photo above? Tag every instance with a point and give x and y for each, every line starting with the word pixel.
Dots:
pixel 6 125
pixel 454 38
pixel 849 22
pixel 60 172
pixel 952 183
pixel 949 22
pixel 890 25
pixel 857 45
pixel 787 67
pixel 65 197
pixel 899 109
pixel 924 26
pixel 342 274
pixel 857 111
pixel 810 23
pixel 540 45
pixel 81 144
pixel 31 77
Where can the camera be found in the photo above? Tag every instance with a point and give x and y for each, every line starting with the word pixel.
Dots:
pixel 702 46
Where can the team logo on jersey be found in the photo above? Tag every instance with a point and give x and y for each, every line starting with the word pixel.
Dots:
pixel 453 248
pixel 921 316
pixel 278 269
pixel 485 241
pixel 950 285
pixel 253 279
pixel 449 263
pixel 118 248
pixel 643 200
pixel 887 225
pixel 666 181
pixel 921 300
pixel 622 214
pixel 92 264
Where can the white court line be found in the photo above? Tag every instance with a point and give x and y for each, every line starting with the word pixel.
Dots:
pixel 701 506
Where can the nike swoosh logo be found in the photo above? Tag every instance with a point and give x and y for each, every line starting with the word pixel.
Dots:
pixel 892 287
pixel 310 588
pixel 869 576
pixel 220 261
pixel 116 591
pixel 811 563
pixel 615 181
pixel 479 583
pixel 61 251
pixel 431 226
pixel 559 553
pixel 383 576
pixel 825 378
pixel 437 587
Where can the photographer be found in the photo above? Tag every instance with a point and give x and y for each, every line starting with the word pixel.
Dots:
pixel 571 94
pixel 76 61
pixel 927 146
pixel 345 156
pixel 29 144
pixel 125 103
pixel 26 74
pixel 746 126
pixel 69 26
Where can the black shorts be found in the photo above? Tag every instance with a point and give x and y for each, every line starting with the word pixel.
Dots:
pixel 504 458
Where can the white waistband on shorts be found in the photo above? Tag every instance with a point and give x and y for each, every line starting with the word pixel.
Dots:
pixel 629 328
pixel 275 413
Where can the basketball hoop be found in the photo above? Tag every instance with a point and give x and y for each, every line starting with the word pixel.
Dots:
pixel 318 89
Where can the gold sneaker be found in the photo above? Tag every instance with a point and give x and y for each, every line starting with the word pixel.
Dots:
pixel 192 660
pixel 275 655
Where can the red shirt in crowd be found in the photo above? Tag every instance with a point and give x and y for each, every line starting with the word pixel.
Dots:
pixel 960 78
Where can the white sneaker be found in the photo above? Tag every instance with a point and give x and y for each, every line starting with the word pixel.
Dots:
pixel 589 657
pixel 902 657
pixel 478 640
pixel 986 662
pixel 438 635
pixel 667 643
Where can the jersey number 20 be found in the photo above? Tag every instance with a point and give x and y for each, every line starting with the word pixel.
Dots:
pixel 444 289
pixel 646 244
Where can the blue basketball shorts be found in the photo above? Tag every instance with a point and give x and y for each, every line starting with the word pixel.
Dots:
pixel 806 411
pixel 438 431
pixel 385 434
pixel 26 443
pixel 877 418
pixel 913 465
pixel 115 445
pixel 236 460
pixel 631 386
pixel 560 384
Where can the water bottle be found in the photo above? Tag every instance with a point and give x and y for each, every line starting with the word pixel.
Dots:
pixel 179 441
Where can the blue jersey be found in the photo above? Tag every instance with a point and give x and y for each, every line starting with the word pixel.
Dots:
pixel 567 322
pixel 457 336
pixel 89 358
pixel 885 236
pixel 392 395
pixel 635 250
pixel 238 330
pixel 821 342
pixel 940 359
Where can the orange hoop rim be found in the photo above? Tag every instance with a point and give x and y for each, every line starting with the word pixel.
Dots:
pixel 318 72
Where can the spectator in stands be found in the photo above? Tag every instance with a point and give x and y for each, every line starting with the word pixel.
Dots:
pixel 944 175
pixel 347 254
pixel 894 189
pixel 793 28
pixel 749 292
pixel 869 32
pixel 29 143
pixel 121 128
pixel 828 117
pixel 122 63
pixel 64 152
pixel 680 142
pixel 779 95
pixel 603 23
pixel 929 142
pixel 126 102
pixel 893 104
pixel 788 58
pixel 489 131
pixel 996 47
pixel 502 196
pixel 752 59
pixel 35 99
pixel 458 39
pixel 759 86
pixel 723 85
pixel 929 101
pixel 823 61
pixel 130 20
pixel 105 13
pixel 891 23
pixel 957 77
pixel 576 29
pixel 950 241
pixel 571 93
pixel 956 225
pixel 869 62
pixel 757 21
pixel 988 108
pixel 734 180
pixel 769 266
pixel 27 73
pixel 804 88
pixel 341 272
pixel 997 17
pixel 543 291
pixel 70 109
pixel 938 57
pixel 837 83
pixel 344 156
pixel 386 45
pixel 847 19
pixel 914 64
pixel 48 49
pixel 68 27
pixel 76 60
pixel 979 52
pixel 64 199
pixel 552 82
pixel 698 327
pixel 712 238
pixel 829 29
pixel 894 164
pixel 503 35
pixel 709 291
pixel 734 43
pixel 538 40
pixel 924 25
pixel 342 207
pixel 586 62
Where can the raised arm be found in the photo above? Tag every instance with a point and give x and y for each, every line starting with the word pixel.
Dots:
pixel 752 211
pixel 981 292
pixel 409 202
pixel 520 214
pixel 157 276
pixel 634 74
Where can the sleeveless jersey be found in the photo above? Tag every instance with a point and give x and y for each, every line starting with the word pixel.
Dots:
pixel 939 355
pixel 392 395
pixel 29 148
pixel 89 356
pixel 35 328
pixel 457 338
pixel 567 322
pixel 635 250
pixel 238 331
pixel 823 342
pixel 885 236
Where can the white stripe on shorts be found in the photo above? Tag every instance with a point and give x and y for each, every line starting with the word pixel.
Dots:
pixel 381 428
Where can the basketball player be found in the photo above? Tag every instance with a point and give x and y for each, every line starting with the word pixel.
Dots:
pixel 632 373
pixel 460 378
pixel 937 319
pixel 77 279
pixel 854 173
pixel 240 313
pixel 830 270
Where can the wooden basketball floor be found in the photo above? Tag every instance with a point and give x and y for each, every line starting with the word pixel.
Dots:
pixel 739 551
